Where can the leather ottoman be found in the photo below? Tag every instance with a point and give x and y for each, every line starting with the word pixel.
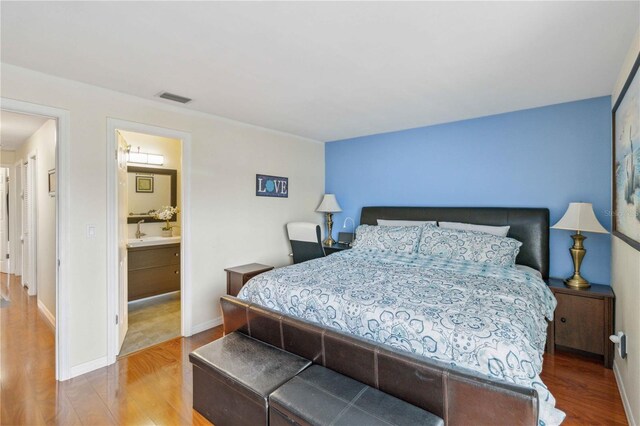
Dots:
pixel 233 377
pixel 319 396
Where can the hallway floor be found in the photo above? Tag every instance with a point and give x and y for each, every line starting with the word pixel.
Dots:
pixel 154 386
pixel 152 321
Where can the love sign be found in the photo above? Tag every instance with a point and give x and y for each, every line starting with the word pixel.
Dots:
pixel 272 186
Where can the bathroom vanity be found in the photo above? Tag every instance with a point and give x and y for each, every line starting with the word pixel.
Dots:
pixel 154 266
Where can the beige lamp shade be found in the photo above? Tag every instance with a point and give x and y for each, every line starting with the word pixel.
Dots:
pixel 329 204
pixel 580 217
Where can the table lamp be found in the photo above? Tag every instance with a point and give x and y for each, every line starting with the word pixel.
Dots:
pixel 579 217
pixel 329 206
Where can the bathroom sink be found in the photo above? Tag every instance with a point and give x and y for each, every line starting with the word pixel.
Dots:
pixel 151 241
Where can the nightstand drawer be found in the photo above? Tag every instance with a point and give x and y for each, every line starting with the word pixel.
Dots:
pixel 579 323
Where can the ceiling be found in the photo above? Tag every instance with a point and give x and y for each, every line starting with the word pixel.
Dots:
pixel 331 70
pixel 15 128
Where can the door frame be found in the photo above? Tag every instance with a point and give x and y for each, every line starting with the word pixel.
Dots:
pixel 114 124
pixel 16 199
pixel 23 220
pixel 63 225
pixel 7 206
pixel 32 218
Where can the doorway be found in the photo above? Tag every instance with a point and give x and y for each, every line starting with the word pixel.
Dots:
pixel 28 210
pixel 147 237
pixel 61 224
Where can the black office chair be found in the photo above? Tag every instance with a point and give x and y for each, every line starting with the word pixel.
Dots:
pixel 305 241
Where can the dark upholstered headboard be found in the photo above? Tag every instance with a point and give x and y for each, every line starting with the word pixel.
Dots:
pixel 530 226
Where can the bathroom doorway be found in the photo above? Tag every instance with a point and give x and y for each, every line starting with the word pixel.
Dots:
pixel 147 288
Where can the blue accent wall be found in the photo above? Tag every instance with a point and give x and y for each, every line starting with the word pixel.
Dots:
pixel 542 157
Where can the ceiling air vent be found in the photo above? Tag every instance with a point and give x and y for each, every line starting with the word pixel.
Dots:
pixel 175 98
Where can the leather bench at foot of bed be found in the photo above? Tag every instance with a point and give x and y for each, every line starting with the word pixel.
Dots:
pixel 319 396
pixel 234 376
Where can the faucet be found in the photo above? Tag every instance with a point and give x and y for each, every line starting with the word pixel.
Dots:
pixel 139 233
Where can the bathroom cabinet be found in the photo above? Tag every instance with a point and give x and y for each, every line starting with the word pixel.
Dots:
pixel 153 270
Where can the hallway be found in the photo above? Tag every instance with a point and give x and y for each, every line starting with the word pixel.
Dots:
pixel 151 386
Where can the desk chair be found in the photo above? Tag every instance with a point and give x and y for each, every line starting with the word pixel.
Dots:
pixel 305 241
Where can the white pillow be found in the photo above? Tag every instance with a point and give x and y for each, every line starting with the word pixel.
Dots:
pixel 395 239
pixel 500 231
pixel 385 222
pixel 472 246
pixel 525 268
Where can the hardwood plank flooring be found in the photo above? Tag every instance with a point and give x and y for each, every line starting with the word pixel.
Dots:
pixel 153 386
pixel 585 390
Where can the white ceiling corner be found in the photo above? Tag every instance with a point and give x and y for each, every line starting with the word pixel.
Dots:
pixel 15 128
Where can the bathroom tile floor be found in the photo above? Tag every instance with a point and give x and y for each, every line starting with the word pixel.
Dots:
pixel 152 321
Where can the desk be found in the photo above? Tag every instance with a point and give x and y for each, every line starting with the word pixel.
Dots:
pixel 334 248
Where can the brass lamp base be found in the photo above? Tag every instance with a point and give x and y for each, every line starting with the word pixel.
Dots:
pixel 576 281
pixel 577 253
pixel 329 241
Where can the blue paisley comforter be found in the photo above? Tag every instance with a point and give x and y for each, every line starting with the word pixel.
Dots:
pixel 486 318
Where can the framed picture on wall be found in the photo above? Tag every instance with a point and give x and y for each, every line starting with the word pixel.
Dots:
pixel 272 186
pixel 626 160
pixel 52 183
pixel 144 183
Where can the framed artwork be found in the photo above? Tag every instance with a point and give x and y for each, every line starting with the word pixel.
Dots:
pixel 144 184
pixel 52 183
pixel 272 186
pixel 626 160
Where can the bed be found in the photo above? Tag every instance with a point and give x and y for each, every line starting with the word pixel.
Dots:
pixel 484 320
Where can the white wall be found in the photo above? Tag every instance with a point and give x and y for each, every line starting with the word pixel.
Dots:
pixel 230 225
pixel 171 149
pixel 7 157
pixel 43 144
pixel 625 280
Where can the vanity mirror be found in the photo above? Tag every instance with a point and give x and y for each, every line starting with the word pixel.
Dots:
pixel 149 189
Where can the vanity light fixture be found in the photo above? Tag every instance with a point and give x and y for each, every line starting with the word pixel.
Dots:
pixel 145 158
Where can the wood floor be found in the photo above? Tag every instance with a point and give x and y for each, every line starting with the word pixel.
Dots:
pixel 148 387
pixel 153 386
pixel 585 390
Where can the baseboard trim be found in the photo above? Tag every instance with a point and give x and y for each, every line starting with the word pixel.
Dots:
pixel 145 299
pixel 623 394
pixel 86 367
pixel 51 319
pixel 199 328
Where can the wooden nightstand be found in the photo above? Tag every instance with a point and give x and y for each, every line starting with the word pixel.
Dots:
pixel 583 320
pixel 239 275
